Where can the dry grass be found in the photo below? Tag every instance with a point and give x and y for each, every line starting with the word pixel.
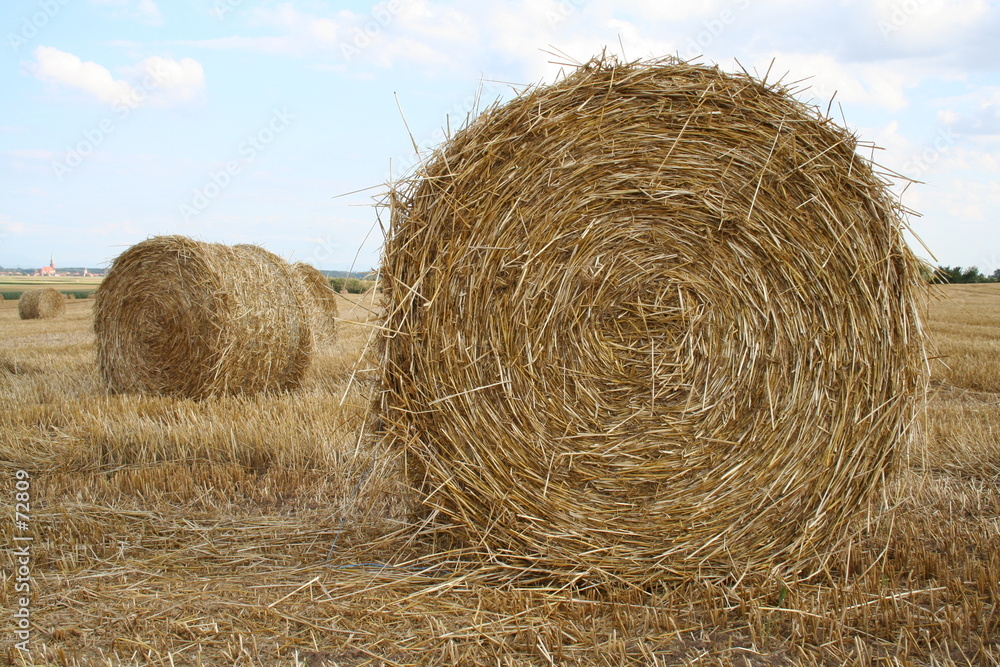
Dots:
pixel 966 341
pixel 180 317
pixel 324 309
pixel 179 532
pixel 652 321
pixel 41 304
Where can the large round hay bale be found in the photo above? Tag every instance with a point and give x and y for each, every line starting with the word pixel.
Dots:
pixel 41 303
pixel 653 320
pixel 321 300
pixel 181 317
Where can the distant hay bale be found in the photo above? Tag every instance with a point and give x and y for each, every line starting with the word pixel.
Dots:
pixel 321 299
pixel 181 317
pixel 41 303
pixel 651 321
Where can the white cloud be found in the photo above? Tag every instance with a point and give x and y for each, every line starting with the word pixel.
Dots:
pixel 149 12
pixel 281 45
pixel 411 32
pixel 983 118
pixel 302 32
pixel 683 10
pixel 10 226
pixel 31 154
pixel 170 82
pixel 144 11
pixel 959 211
pixel 923 25
pixel 157 81
pixel 58 67
pixel 431 34
pixel 879 84
pixel 540 38
pixel 29 160
pixel 925 38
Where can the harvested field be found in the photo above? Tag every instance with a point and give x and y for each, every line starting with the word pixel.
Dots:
pixel 264 530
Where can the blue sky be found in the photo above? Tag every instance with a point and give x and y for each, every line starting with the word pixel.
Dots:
pixel 241 121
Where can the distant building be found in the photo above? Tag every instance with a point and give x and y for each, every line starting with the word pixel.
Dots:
pixel 49 270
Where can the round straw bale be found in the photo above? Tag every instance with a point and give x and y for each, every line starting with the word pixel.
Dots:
pixel 652 320
pixel 39 303
pixel 322 301
pixel 181 317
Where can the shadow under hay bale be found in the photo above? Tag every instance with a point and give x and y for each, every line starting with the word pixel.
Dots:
pixel 322 300
pixel 652 321
pixel 41 303
pixel 181 317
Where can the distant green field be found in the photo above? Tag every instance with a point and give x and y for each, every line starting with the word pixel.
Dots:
pixel 11 287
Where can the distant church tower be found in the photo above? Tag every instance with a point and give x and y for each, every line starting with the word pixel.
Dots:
pixel 49 270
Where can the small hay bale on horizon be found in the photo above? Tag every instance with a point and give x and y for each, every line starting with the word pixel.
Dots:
pixel 41 304
pixel 652 321
pixel 322 300
pixel 187 318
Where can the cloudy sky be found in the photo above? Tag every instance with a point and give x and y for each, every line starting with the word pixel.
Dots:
pixel 245 120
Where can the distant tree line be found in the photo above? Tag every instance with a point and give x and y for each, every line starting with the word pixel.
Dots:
pixel 956 274
pixel 351 285
pixel 72 270
pixel 347 274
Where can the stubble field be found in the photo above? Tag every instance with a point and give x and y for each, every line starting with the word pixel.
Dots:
pixel 267 530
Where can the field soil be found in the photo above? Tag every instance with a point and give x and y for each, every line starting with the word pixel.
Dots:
pixel 269 530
